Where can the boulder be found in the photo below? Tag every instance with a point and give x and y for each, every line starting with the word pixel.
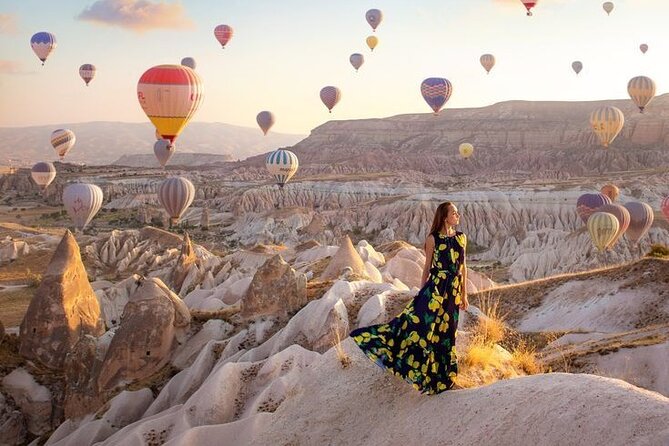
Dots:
pixel 276 288
pixel 33 399
pixel 346 256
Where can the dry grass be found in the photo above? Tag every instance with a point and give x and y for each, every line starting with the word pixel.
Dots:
pixel 23 269
pixel 14 304
pixel 343 358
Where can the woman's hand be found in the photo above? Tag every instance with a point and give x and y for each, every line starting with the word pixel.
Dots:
pixel 464 305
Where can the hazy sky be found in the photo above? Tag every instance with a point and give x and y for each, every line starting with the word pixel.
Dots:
pixel 284 51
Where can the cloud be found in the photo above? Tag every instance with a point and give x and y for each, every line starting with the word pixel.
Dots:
pixel 9 67
pixel 8 24
pixel 137 15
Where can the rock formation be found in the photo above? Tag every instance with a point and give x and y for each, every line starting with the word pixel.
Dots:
pixel 346 256
pixel 185 263
pixel 63 310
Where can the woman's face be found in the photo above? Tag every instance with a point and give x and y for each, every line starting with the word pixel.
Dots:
pixel 452 216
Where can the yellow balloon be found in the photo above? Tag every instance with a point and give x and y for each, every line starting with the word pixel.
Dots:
pixel 466 150
pixel 642 90
pixel 372 41
pixel 607 122
pixel 603 228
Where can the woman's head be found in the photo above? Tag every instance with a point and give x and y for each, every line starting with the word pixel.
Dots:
pixel 446 214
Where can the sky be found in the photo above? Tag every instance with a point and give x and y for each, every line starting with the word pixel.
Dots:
pixel 284 51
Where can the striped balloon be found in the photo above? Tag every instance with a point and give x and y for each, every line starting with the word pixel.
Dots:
pixel 641 219
pixel 436 91
pixel 356 60
pixel 607 122
pixel 43 174
pixel 87 72
pixel 577 66
pixel 603 228
pixel 62 141
pixel 487 61
pixel 589 203
pixel 163 150
pixel 169 95
pixel 374 17
pixel 189 62
pixel 282 164
pixel 176 194
pixel 642 90
pixel 664 207
pixel 330 96
pixel 529 4
pixel 265 120
pixel 643 47
pixel 223 34
pixel 82 201
pixel 623 216
pixel 43 43
pixel 611 191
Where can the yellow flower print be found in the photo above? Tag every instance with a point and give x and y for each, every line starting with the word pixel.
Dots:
pixel 434 305
pixel 404 325
pixel 442 247
pixel 435 367
pixel 443 327
pixel 441 386
pixel 441 275
pixel 413 337
pixel 456 282
pixel 422 343
pixel 454 255
pixel 391 342
pixel 415 319
pixel 383 329
pixel 451 375
pixel 461 239
pixel 423 368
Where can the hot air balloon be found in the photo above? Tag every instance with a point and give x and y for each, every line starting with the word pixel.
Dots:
pixel 282 164
pixel 42 44
pixel 622 214
pixel 466 150
pixel 265 120
pixel 643 47
pixel 529 4
pixel 330 96
pixel 163 150
pixel 664 207
pixel 62 141
pixel 43 174
pixel 607 122
pixel 175 195
pixel 488 61
pixel 372 42
pixel 603 228
pixel 158 135
pixel 611 191
pixel 188 62
pixel 170 96
pixel 82 201
pixel 356 60
pixel 374 17
pixel 436 91
pixel 87 72
pixel 608 7
pixel 577 66
pixel 641 219
pixel 642 90
pixel 223 34
pixel 589 203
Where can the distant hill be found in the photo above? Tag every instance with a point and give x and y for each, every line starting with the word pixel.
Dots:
pixel 101 143
pixel 178 159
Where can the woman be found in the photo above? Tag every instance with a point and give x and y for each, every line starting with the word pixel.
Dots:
pixel 419 344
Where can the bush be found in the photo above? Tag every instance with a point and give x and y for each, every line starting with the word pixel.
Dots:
pixel 658 250
pixel 34 279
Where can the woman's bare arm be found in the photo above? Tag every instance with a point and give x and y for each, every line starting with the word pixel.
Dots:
pixel 429 251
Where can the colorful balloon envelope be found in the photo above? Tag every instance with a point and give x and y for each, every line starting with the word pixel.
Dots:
pixel 372 42
pixel 223 34
pixel 43 43
pixel 356 60
pixel 529 4
pixel 607 122
pixel 622 214
pixel 82 201
pixel 664 207
pixel 611 191
pixel 641 219
pixel 62 141
pixel 189 62
pixel 487 61
pixel 642 90
pixel 87 72
pixel 466 150
pixel 169 95
pixel 374 17
pixel 175 195
pixel 282 164
pixel 43 174
pixel 163 150
pixel 265 120
pixel 330 96
pixel 577 66
pixel 589 203
pixel 643 47
pixel 608 7
pixel 436 91
pixel 603 228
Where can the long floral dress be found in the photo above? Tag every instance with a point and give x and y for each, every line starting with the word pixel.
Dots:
pixel 419 344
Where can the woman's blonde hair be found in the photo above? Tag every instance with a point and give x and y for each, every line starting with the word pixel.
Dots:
pixel 439 216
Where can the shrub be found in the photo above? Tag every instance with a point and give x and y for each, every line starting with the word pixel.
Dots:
pixel 658 250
